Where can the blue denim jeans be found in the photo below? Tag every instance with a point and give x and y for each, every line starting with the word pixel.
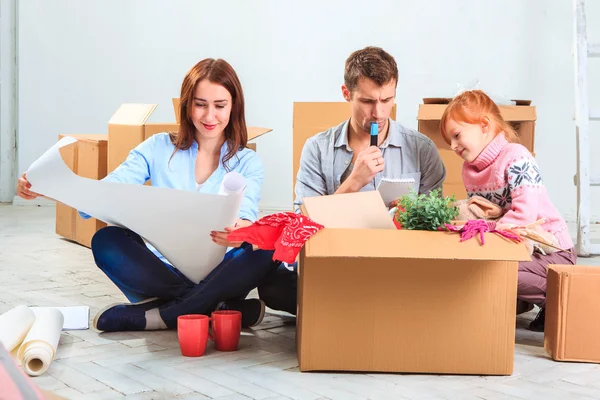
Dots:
pixel 123 256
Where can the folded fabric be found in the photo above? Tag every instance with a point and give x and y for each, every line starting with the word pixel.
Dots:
pixel 478 207
pixel 284 232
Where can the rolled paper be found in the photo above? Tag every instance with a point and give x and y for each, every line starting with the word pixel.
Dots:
pixel 39 346
pixel 14 325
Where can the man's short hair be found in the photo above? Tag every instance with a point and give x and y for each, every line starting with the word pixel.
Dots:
pixel 373 63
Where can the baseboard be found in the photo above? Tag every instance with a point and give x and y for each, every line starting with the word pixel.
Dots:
pixel 572 218
pixel 39 202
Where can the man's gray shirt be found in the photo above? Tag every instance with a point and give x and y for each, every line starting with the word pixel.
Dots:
pixel 327 157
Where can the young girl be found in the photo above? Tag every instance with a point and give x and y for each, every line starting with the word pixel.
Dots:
pixel 211 142
pixel 505 173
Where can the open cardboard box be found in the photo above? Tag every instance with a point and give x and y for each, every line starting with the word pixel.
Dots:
pixel 522 117
pixel 402 301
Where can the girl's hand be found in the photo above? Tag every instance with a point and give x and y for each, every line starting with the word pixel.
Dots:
pixel 23 186
pixel 220 237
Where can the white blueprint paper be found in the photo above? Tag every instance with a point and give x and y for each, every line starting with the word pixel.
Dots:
pixel 176 222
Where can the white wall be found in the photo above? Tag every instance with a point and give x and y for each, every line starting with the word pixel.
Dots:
pixel 78 60
pixel 7 100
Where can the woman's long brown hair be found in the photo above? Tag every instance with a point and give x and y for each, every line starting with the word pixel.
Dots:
pixel 219 72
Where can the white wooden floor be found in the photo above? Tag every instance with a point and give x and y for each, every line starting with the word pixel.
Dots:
pixel 38 268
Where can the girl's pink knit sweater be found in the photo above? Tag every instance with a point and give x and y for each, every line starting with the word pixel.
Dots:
pixel 507 174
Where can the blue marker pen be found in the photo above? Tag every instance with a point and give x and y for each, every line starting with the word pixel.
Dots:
pixel 374 131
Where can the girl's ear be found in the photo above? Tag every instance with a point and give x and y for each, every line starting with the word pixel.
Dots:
pixel 485 124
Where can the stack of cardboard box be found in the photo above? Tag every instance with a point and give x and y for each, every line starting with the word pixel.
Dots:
pixel 94 156
pixel 521 116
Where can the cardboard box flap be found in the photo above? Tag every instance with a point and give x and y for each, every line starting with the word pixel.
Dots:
pixel 437 100
pixel 383 243
pixel 575 269
pixel 362 210
pixel 446 100
pixel 432 111
pixel 100 138
pixel 254 132
pixel 132 114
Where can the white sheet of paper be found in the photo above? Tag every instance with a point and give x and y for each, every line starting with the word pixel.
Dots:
pixel 76 317
pixel 393 189
pixel 176 222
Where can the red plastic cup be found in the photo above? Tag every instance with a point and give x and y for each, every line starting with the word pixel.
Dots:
pixel 192 332
pixel 226 327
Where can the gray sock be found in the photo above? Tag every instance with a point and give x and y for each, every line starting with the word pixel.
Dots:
pixel 154 321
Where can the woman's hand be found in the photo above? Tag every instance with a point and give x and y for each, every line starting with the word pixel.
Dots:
pixel 23 186
pixel 220 238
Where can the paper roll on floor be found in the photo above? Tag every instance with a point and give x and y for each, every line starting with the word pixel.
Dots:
pixel 14 325
pixel 39 346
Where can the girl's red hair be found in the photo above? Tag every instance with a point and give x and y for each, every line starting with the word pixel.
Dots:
pixel 472 107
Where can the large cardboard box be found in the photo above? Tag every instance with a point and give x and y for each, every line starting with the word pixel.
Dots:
pixel 87 158
pixel 521 116
pixel 453 184
pixel 391 300
pixel 572 305
pixel 311 118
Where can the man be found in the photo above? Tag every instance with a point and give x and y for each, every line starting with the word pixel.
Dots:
pixel 341 160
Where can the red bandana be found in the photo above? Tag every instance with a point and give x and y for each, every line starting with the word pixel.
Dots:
pixel 284 232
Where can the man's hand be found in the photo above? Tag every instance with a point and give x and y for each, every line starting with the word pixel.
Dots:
pixel 220 237
pixel 23 186
pixel 368 163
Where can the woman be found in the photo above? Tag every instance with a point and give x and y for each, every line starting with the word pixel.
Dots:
pixel 210 143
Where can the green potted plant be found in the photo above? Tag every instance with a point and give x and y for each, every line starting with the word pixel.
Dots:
pixel 425 212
